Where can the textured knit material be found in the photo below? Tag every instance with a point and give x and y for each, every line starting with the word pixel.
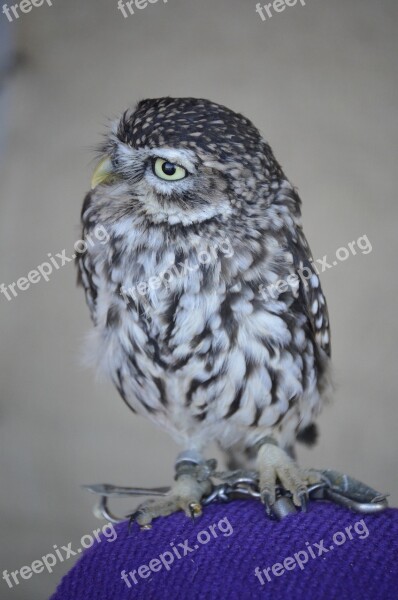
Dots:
pixel 223 567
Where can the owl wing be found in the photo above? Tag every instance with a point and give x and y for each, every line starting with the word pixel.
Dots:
pixel 86 272
pixel 85 278
pixel 311 294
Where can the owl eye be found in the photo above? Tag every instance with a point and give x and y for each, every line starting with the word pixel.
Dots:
pixel 168 171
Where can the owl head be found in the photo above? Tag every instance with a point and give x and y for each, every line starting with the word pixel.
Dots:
pixel 184 161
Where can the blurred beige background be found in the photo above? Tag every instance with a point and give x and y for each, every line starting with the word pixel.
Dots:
pixel 320 82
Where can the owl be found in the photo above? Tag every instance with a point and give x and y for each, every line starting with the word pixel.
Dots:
pixel 208 312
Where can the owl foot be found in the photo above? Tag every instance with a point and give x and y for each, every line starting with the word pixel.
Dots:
pixel 276 467
pixel 192 484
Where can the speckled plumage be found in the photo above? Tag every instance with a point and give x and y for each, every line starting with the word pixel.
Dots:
pixel 206 355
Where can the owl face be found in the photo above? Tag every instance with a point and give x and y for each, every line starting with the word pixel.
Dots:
pixel 183 161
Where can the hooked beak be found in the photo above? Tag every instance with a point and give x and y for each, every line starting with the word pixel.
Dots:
pixel 103 173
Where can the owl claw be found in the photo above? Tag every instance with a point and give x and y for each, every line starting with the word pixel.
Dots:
pixel 185 495
pixel 268 499
pixel 275 466
pixel 303 498
pixel 134 518
pixel 195 510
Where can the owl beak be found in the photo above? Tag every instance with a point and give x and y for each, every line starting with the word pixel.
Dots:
pixel 103 172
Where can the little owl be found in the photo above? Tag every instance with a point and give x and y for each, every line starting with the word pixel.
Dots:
pixel 212 345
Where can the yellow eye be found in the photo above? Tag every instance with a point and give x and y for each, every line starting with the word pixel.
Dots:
pixel 168 171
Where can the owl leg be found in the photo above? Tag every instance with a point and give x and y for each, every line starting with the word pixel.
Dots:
pixel 192 483
pixel 275 466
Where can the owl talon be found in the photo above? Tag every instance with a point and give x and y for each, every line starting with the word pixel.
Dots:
pixel 195 509
pixel 134 518
pixel 275 466
pixel 303 498
pixel 268 499
pixel 186 495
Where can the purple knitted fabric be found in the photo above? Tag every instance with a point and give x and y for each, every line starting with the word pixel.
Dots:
pixel 295 558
